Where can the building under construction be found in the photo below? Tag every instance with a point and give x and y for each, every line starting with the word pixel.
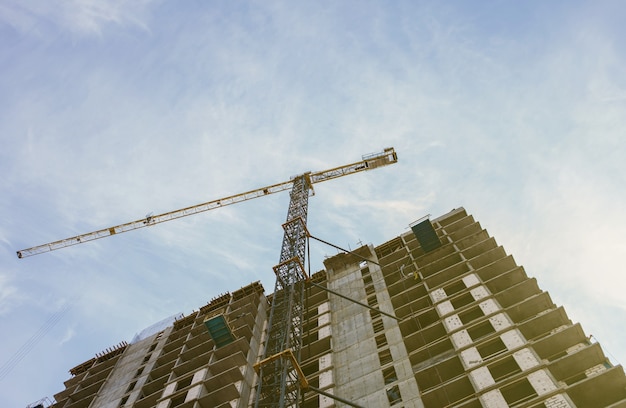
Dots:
pixel 438 316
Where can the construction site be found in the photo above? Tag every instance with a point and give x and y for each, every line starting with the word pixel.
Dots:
pixel 439 316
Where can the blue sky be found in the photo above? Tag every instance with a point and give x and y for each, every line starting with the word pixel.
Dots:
pixel 113 109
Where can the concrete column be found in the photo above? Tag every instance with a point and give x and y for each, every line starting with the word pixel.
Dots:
pixel 471 280
pixel 163 404
pixel 500 322
pixel 471 357
pixel 326 402
pixel 479 292
pixel 444 308
pixel 461 339
pixel 326 361
pixel 525 359
pixel 512 339
pixel 194 392
pixel 493 399
pixel 438 295
pixel 169 389
pixel 541 382
pixel 325 379
pixel 323 319
pixel 200 375
pixel 489 306
pixel 452 323
pixel 481 378
pixel 324 332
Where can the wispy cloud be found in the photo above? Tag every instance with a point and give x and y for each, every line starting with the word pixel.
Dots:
pixel 69 334
pixel 81 17
pixel 114 109
pixel 8 295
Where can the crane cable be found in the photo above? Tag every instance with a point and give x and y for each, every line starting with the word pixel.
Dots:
pixel 27 347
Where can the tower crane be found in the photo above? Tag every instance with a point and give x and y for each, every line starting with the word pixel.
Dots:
pixel 280 376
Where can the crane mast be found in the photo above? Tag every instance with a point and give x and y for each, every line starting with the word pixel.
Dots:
pixel 280 378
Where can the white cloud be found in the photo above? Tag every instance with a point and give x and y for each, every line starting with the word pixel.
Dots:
pixel 8 295
pixel 588 227
pixel 84 17
pixel 67 336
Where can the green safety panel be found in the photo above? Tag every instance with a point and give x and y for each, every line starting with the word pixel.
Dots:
pixel 219 330
pixel 426 235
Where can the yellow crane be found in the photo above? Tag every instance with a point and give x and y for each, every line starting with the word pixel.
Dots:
pixel 280 377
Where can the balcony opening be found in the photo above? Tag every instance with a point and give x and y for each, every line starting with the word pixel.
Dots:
pixel 176 401
pixel 471 315
pixel 518 392
pixel 504 368
pixel 184 383
pixel 131 386
pixel 481 330
pixel 492 348
pixel 463 300
pixel 456 287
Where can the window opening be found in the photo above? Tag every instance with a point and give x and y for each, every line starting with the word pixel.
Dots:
pixel 381 340
pixel 378 325
pixel 385 357
pixel 372 301
pixel 393 395
pixel 389 375
pixel 367 279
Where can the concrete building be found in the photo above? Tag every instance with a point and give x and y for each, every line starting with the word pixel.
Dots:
pixel 471 330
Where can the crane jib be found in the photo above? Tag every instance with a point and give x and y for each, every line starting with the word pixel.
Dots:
pixel 368 162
